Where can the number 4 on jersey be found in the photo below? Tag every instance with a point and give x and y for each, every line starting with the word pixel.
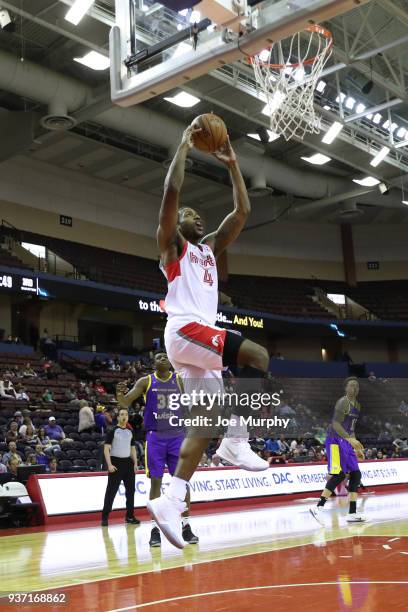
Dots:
pixel 208 278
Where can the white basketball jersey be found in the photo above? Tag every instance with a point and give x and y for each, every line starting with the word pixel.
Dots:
pixel 192 293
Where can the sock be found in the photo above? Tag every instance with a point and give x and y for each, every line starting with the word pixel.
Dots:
pixel 353 507
pixel 177 488
pixel 154 524
pixel 236 429
pixel 185 520
pixel 322 501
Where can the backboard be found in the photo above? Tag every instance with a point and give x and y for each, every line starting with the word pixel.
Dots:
pixel 154 49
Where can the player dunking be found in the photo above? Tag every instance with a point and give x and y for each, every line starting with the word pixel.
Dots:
pixel 342 449
pixel 163 442
pixel 198 349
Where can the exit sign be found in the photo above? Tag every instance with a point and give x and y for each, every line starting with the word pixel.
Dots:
pixel 373 265
pixel 65 220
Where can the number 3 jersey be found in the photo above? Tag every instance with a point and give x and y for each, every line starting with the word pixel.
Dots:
pixel 192 293
pixel 162 405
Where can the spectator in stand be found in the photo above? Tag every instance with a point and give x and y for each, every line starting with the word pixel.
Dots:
pixel 110 416
pixel 86 417
pixel 7 389
pixel 21 394
pixel 55 431
pixel 46 443
pixel 53 466
pixel 100 420
pixel 29 437
pixel 12 434
pixel 82 392
pixel 26 421
pixel 18 373
pixel 293 445
pixel 400 445
pixel 12 467
pixel 283 445
pixel 204 462
pixel 18 418
pixel 48 397
pixel 16 340
pixel 127 368
pixel 372 376
pixel 9 339
pixel 40 457
pixel 12 452
pixel 272 445
pixel 99 388
pixel 71 396
pixel 380 455
pixel 30 459
pixel 215 461
pixel 3 467
pixel 28 371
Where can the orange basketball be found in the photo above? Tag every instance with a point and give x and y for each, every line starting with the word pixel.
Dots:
pixel 213 132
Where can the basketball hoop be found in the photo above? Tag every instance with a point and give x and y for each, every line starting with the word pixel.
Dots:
pixel 288 86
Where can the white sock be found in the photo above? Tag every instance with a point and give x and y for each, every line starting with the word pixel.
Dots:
pixel 236 429
pixel 177 488
pixel 185 520
pixel 154 524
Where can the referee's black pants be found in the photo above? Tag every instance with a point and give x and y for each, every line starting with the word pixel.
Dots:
pixel 125 470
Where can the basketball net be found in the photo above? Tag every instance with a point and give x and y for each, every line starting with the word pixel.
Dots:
pixel 289 87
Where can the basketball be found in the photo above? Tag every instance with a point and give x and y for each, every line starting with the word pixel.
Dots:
pixel 213 132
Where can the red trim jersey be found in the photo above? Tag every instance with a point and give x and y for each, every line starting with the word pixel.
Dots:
pixel 192 293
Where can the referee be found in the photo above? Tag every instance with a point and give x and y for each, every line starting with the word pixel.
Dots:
pixel 120 455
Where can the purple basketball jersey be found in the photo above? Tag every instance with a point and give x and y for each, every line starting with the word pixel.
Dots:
pixel 349 421
pixel 162 410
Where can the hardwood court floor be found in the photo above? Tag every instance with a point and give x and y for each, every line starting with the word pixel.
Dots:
pixel 275 555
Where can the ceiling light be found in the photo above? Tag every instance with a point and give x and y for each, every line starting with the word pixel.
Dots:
pixel 332 133
pixel 78 10
pixel 390 126
pixel 360 108
pixel 341 97
pixel 350 102
pixel 370 116
pixel 94 60
pixel 7 23
pixel 401 132
pixel 381 155
pixel 318 159
pixel 405 202
pixel 368 181
pixel 184 99
pixel 321 86
pixel 179 27
pixel 401 144
pixel 195 17
pixel 377 118
pixel 326 107
pixel 271 136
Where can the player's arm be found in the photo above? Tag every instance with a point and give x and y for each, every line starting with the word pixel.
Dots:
pixel 340 412
pixel 125 398
pixel 234 222
pixel 169 240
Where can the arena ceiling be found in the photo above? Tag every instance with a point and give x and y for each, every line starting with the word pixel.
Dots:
pixel 371 44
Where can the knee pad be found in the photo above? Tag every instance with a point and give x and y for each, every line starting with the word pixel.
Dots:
pixel 354 482
pixel 334 481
